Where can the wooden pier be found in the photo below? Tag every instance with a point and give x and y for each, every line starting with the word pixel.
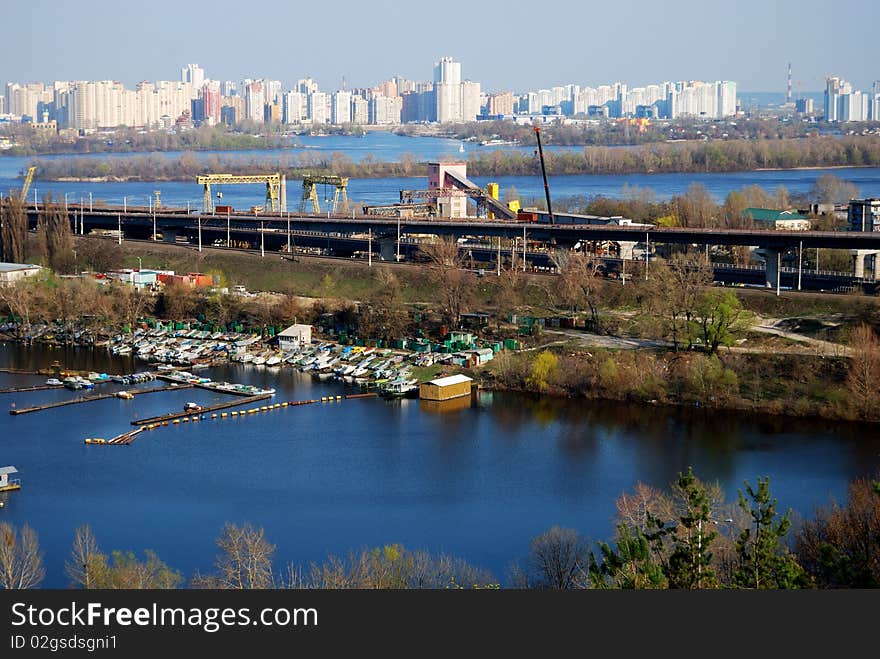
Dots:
pixel 93 397
pixel 36 387
pixel 207 409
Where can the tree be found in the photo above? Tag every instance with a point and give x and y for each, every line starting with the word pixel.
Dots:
pixel 831 189
pixel 716 314
pixel 864 370
pixel 455 284
pixel 21 562
pixel 543 371
pixel 124 571
pixel 509 289
pixel 27 300
pixel 840 547
pixel 578 283
pixel 675 288
pixel 85 559
pixel 764 562
pixel 559 560
pixel 637 559
pixel 129 304
pixel 13 230
pixel 695 208
pixel 244 561
pixel 690 565
pixel 54 237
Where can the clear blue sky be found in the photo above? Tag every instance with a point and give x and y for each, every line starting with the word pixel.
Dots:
pixel 504 45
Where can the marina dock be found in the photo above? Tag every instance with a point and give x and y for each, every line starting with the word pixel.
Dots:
pixel 207 409
pixel 93 397
pixel 37 387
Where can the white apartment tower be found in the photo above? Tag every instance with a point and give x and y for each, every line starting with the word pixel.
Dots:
pixel 340 108
pixel 194 75
pixel 470 100
pixel 447 90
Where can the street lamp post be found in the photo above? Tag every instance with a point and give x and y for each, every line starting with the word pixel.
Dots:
pixel 125 204
pixel 90 202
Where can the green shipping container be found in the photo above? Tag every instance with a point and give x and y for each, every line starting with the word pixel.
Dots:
pixel 510 344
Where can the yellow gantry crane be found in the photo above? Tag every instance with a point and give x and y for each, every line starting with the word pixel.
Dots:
pixel 276 189
pixel 28 179
pixel 310 192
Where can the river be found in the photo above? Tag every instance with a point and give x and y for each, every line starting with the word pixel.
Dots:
pixel 476 483
pixel 387 146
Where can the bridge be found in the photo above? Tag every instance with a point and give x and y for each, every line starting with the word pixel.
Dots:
pixel 143 222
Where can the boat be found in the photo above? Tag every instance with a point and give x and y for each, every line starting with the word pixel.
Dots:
pixel 461 147
pixel 125 395
pixel 401 389
pixel 191 407
pixel 54 382
pixel 72 383
pixel 274 360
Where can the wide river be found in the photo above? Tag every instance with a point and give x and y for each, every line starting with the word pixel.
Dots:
pixel 477 482
pixel 387 146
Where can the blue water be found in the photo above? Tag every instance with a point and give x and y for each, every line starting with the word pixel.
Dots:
pixel 477 482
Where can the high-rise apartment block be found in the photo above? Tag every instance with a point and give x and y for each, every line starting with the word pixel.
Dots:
pixel 843 103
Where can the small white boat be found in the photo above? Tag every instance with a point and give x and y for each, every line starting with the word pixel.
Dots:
pixel 274 360
pixel 54 382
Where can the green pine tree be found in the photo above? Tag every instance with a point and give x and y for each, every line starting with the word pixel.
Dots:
pixel 764 562
pixel 690 565
pixel 636 561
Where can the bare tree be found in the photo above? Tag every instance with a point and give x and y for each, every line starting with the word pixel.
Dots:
pixel 85 558
pixel 558 560
pixel 14 231
pixel 54 236
pixel 21 562
pixel 455 284
pixel 578 282
pixel 244 561
pixel 864 370
pixel 25 299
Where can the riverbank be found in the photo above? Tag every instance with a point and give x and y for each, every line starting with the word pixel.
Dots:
pixel 656 158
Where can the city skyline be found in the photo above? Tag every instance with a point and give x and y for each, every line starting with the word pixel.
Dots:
pixel 592 45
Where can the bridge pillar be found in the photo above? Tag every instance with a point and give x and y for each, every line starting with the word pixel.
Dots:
pixel 388 248
pixel 771 265
pixel 861 258
pixel 169 235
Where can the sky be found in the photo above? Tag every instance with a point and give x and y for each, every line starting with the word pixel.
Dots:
pixel 505 45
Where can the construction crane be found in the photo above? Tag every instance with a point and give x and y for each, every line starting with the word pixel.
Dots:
pixel 310 192
pixel 276 189
pixel 544 174
pixel 28 179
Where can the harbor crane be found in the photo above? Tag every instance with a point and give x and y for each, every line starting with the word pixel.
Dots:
pixel 28 179
pixel 276 189
pixel 310 192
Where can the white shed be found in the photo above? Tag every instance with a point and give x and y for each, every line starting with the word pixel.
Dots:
pixel 5 482
pixel 294 337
